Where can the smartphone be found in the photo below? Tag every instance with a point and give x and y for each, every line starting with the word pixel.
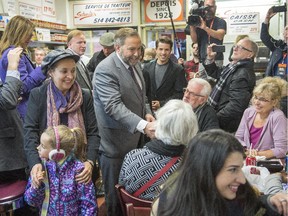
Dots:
pixel 277 9
pixel 218 48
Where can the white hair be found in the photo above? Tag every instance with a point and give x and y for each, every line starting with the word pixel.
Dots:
pixel 206 90
pixel 176 123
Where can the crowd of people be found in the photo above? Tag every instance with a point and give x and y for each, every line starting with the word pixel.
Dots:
pixel 136 114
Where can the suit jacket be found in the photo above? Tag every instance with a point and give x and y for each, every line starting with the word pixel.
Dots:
pixel 119 106
pixel 12 154
pixel 36 123
pixel 172 83
pixel 83 77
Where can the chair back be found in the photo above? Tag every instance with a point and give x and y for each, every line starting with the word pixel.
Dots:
pixel 137 211
pixel 126 198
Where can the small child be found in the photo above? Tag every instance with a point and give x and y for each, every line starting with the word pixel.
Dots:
pixel 61 150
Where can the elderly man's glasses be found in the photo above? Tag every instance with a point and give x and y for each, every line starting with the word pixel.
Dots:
pixel 241 47
pixel 191 94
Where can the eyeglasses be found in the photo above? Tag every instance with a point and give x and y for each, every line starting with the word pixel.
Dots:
pixel 261 99
pixel 241 47
pixel 191 94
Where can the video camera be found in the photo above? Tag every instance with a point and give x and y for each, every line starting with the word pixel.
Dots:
pixel 197 10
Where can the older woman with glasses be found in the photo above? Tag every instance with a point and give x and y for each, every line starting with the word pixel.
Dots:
pixel 263 126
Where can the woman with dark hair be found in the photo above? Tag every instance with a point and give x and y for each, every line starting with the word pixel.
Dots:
pixel 210 182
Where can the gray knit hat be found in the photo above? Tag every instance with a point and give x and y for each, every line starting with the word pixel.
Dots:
pixel 107 39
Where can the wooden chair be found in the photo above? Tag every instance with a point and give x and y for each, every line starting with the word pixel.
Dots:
pixel 137 204
pixel 11 196
pixel 137 211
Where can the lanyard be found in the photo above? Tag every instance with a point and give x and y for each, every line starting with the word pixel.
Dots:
pixel 284 56
pixel 210 28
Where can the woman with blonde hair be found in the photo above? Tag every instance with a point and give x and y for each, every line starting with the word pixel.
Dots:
pixel 18 33
pixel 263 126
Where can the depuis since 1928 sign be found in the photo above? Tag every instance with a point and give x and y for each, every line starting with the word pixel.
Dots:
pixel 108 13
pixel 157 10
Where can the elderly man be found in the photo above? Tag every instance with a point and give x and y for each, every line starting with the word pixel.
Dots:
pixel 196 94
pixel 235 83
pixel 76 43
pixel 107 42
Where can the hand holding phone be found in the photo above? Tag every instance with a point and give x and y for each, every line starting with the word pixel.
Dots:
pixel 277 9
pixel 218 48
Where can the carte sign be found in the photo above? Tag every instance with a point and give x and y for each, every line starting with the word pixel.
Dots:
pixel 243 23
pixel 158 11
pixel 103 13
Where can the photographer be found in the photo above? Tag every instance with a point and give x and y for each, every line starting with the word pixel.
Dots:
pixel 277 65
pixel 212 29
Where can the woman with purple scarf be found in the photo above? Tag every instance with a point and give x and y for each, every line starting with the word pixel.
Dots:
pixel 60 101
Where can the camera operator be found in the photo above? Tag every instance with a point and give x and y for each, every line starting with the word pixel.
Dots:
pixel 211 30
pixel 277 65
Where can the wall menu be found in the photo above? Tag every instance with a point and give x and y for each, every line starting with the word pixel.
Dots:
pixel 104 13
pixel 32 9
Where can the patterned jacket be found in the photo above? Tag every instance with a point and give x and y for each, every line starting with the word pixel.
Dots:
pixel 61 194
pixel 140 165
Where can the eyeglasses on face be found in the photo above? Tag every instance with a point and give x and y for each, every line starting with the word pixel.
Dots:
pixel 191 94
pixel 261 99
pixel 241 47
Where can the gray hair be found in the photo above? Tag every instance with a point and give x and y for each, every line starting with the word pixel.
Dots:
pixel 206 85
pixel 124 33
pixel 176 123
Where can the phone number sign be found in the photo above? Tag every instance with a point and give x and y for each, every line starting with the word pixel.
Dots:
pixel 157 10
pixel 103 13
pixel 243 23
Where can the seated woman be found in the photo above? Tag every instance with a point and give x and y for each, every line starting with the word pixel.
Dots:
pixel 176 124
pixel 210 181
pixel 263 126
pixel 60 101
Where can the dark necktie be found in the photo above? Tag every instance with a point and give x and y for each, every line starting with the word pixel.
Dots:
pixel 134 77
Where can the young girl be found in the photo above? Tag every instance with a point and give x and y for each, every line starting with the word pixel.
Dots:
pixel 62 150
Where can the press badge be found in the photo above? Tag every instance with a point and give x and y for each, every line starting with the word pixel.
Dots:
pixel 282 69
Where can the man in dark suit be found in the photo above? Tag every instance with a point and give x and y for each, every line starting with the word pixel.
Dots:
pixel 119 101
pixel 76 43
pixel 166 77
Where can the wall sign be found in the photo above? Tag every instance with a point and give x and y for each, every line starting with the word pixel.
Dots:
pixel 29 11
pixel 157 10
pixel 108 13
pixel 48 8
pixel 243 23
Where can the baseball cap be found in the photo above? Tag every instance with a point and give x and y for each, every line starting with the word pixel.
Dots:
pixel 107 39
pixel 54 56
